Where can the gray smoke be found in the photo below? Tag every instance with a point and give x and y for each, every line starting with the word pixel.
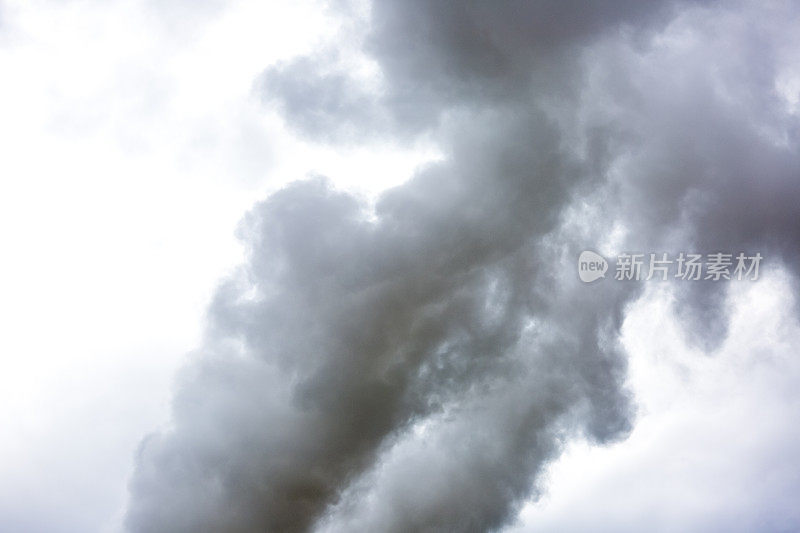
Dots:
pixel 415 368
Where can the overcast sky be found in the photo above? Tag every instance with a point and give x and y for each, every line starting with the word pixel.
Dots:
pixel 311 266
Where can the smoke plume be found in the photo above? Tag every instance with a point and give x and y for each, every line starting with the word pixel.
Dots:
pixel 414 367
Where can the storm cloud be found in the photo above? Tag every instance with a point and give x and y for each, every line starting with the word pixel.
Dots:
pixel 414 365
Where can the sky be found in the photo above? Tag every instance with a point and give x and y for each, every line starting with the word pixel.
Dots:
pixel 311 266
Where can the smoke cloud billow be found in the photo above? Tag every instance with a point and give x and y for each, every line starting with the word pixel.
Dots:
pixel 415 367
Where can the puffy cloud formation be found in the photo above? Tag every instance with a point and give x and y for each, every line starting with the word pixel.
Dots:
pixel 413 367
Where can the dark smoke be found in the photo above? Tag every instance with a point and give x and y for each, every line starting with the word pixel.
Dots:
pixel 415 370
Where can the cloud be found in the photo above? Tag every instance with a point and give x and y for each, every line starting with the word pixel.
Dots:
pixel 414 368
